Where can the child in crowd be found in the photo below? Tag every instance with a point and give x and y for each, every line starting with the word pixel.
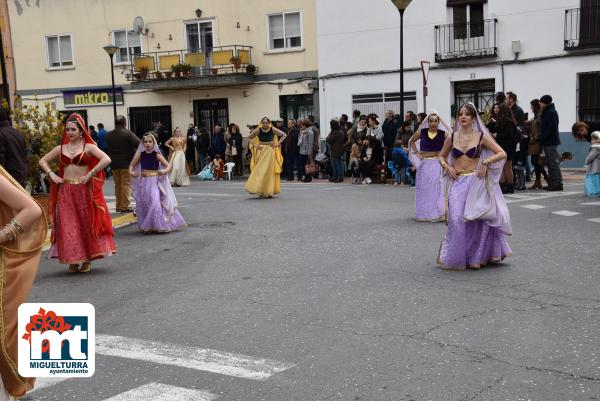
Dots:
pixel 592 167
pixel 207 172
pixel 355 152
pixel 401 164
pixel 217 168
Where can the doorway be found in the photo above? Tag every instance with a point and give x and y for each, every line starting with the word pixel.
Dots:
pixel 142 119
pixel 209 112
pixel 479 92
pixel 295 106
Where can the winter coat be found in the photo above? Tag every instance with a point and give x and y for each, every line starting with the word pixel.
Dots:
pixel 336 143
pixel 549 126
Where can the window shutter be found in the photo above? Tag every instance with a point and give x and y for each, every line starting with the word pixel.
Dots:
pixel 53 59
pixel 292 25
pixel 66 54
pixel 276 26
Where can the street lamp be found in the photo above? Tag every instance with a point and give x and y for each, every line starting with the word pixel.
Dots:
pixel 401 5
pixel 111 50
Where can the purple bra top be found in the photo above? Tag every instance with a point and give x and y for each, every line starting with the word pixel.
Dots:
pixel 472 153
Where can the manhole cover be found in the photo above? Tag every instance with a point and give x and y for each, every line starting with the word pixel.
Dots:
pixel 212 224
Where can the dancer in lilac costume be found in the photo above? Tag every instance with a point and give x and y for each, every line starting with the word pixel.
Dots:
pixel 424 148
pixel 478 218
pixel 156 206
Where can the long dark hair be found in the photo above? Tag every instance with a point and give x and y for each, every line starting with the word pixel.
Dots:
pixel 334 125
pixel 535 106
pixel 505 115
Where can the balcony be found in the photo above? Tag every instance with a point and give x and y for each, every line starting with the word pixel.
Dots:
pixel 582 28
pixel 466 41
pixel 180 69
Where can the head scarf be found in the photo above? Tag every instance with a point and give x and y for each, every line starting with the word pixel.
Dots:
pixel 97 208
pixel 167 196
pixel 416 138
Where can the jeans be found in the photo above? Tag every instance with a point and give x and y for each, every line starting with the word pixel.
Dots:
pixel 122 188
pixel 301 171
pixel 338 168
pixel 291 159
pixel 553 161
pixel 202 156
pixel 538 168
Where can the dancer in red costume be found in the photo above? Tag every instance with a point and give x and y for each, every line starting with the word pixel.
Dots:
pixel 81 225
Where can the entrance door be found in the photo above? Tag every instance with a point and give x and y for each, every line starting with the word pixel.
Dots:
pixel 295 106
pixel 479 92
pixel 209 112
pixel 143 119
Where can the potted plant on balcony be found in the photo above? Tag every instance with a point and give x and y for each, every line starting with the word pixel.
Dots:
pixel 42 130
pixel 186 70
pixel 177 69
pixel 251 69
pixel 236 61
pixel 214 70
pixel 168 74
pixel 144 72
pixel 158 75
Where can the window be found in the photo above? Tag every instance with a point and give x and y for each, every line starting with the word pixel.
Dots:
pixel 378 103
pixel 589 96
pixel 198 36
pixel 60 53
pixel 467 20
pixel 285 31
pixel 129 44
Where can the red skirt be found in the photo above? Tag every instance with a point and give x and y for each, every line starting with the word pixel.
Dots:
pixel 74 242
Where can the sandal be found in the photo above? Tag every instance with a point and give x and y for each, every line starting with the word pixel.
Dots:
pixel 73 269
pixel 86 267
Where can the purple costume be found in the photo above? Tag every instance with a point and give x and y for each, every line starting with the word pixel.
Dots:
pixel 478 219
pixel 429 195
pixel 156 205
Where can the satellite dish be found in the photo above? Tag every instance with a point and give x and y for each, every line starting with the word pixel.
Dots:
pixel 138 25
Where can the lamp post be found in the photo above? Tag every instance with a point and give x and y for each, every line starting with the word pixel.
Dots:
pixel 111 50
pixel 401 5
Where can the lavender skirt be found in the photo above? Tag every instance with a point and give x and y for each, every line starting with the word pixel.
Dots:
pixel 151 216
pixel 429 195
pixel 469 244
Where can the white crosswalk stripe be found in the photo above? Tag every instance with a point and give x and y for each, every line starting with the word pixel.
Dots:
pixel 533 207
pixel 566 213
pixel 208 360
pixel 591 203
pixel 596 220
pixel 163 392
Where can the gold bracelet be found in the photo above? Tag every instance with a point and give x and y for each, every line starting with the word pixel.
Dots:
pixel 10 235
pixel 17 226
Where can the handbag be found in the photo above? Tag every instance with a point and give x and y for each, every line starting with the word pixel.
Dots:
pixel 234 151
pixel 311 168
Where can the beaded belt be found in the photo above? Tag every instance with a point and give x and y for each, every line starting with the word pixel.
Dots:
pixel 149 173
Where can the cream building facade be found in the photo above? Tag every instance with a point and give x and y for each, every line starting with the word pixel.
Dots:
pixel 59 56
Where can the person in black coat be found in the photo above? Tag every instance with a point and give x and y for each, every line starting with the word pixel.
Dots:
pixel 202 147
pixel 372 155
pixel 550 139
pixel 217 142
pixel 390 127
pixel 13 153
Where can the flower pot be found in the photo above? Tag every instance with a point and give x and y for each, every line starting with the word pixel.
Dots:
pixel 214 71
pixel 158 75
pixel 168 74
pixel 177 74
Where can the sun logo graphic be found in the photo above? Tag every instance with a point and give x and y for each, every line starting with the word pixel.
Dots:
pixel 56 340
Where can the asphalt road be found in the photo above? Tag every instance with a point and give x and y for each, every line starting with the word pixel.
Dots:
pixel 331 293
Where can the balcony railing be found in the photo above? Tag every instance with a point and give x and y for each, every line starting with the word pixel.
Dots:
pixel 176 64
pixel 582 28
pixel 464 41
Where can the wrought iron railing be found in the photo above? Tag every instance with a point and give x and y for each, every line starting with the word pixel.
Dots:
pixel 468 40
pixel 234 59
pixel 582 28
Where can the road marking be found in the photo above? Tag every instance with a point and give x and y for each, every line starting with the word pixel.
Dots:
pixel 518 196
pixel 597 220
pixel 544 196
pixel 163 392
pixel 567 213
pixel 208 360
pixel 533 207
pixel 591 203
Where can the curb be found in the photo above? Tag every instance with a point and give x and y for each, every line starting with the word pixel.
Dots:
pixel 118 222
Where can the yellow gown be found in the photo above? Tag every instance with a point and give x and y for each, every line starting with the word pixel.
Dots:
pixel 265 168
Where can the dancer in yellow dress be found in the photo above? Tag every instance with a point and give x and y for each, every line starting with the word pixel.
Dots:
pixel 265 166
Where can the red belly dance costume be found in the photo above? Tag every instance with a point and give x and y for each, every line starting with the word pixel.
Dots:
pixel 82 227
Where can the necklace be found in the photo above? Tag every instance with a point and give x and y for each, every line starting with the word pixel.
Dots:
pixel 71 150
pixel 463 142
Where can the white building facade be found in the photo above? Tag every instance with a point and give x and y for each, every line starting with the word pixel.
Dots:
pixel 475 48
